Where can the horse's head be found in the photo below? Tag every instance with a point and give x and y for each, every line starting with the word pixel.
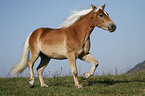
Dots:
pixel 102 20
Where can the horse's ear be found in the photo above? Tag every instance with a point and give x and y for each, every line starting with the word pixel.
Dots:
pixel 103 7
pixel 93 7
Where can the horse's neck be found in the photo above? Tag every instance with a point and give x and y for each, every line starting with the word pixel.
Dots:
pixel 84 27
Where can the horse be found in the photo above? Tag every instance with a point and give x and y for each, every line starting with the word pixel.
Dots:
pixel 71 41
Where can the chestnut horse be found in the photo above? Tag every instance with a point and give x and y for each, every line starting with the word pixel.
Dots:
pixel 70 42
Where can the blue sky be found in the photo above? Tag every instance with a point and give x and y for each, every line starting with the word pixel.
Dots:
pixel 122 49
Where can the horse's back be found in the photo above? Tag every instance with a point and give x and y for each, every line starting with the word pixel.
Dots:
pixel 41 33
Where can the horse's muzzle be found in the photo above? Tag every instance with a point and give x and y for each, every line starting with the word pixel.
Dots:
pixel 111 27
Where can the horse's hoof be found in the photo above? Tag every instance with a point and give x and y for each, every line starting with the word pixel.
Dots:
pixel 31 86
pixel 86 75
pixel 80 85
pixel 44 85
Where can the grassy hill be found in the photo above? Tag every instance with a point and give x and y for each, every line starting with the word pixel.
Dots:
pixel 124 84
pixel 138 68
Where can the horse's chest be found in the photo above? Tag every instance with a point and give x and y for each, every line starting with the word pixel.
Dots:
pixel 84 49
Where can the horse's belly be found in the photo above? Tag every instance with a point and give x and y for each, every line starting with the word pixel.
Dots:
pixel 55 51
pixel 57 55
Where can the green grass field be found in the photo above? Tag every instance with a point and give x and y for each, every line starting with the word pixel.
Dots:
pixel 111 85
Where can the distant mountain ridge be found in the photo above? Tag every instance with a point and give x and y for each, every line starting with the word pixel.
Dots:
pixel 138 68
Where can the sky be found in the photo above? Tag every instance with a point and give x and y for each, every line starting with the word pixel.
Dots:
pixel 120 50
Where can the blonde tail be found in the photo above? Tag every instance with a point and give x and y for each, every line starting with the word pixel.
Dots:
pixel 22 65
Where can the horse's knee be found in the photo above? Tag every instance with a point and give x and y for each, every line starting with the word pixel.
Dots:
pixel 96 63
pixel 74 72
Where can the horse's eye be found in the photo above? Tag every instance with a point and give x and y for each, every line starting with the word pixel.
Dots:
pixel 101 15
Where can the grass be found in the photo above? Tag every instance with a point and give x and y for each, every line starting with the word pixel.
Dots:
pixel 110 85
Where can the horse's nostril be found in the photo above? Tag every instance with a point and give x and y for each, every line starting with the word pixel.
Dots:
pixel 112 27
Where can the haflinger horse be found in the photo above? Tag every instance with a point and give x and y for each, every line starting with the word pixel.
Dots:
pixel 71 41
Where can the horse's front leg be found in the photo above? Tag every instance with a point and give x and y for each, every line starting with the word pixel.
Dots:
pixel 72 62
pixel 89 58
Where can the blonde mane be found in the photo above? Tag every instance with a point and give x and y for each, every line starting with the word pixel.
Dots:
pixel 76 15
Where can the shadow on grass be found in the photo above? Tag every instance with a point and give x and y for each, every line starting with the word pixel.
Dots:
pixel 106 80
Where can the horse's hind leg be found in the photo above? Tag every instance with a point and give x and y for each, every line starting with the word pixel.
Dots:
pixel 44 61
pixel 30 65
